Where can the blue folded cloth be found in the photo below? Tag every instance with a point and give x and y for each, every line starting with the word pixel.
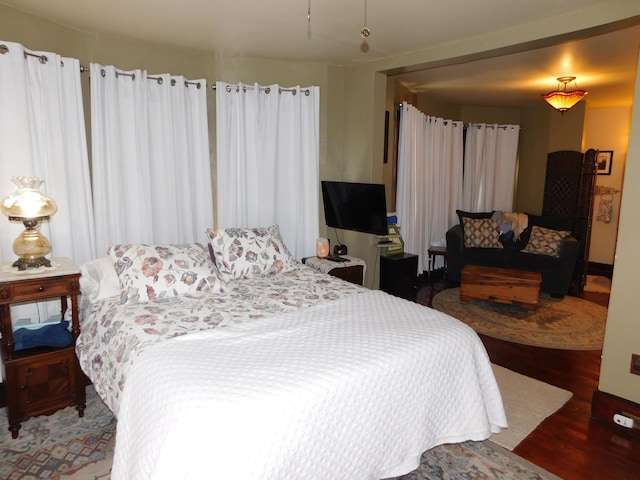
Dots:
pixel 55 335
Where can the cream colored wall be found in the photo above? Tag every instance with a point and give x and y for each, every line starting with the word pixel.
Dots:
pixel 566 129
pixel 622 337
pixel 532 163
pixel 607 129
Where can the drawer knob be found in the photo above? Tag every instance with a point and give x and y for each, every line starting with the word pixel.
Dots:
pixel 41 288
pixel 23 387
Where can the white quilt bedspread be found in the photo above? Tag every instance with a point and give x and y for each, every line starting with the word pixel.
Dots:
pixel 351 389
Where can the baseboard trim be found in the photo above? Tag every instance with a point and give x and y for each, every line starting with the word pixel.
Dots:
pixel 604 406
pixel 602 269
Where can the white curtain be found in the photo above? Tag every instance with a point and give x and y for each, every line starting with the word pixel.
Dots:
pixel 429 180
pixel 42 133
pixel 268 160
pixel 489 167
pixel 150 158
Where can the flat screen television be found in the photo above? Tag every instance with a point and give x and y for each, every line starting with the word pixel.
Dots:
pixel 361 207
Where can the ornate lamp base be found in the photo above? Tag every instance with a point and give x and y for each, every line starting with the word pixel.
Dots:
pixel 24 263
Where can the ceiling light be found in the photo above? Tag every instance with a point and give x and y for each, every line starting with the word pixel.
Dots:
pixel 365 32
pixel 561 99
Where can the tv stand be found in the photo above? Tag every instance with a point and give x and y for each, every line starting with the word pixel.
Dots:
pixel 398 275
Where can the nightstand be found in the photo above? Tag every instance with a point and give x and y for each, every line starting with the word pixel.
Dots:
pixel 351 271
pixel 42 380
pixel 398 275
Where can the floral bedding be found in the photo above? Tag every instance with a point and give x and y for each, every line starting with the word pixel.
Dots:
pixel 113 334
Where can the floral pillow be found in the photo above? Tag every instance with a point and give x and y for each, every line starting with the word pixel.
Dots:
pixel 481 233
pixel 545 241
pixel 151 272
pixel 249 252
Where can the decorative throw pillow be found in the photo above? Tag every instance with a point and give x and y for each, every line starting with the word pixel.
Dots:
pixel 151 272
pixel 462 215
pixel 249 252
pixel 545 241
pixel 481 233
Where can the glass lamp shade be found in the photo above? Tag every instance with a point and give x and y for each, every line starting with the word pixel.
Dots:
pixel 28 201
pixel 563 101
pixel 29 206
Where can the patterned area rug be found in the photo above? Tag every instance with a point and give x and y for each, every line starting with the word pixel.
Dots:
pixel 59 444
pixel 569 323
pixel 64 446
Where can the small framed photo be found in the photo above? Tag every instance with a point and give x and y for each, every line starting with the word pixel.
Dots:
pixel 603 162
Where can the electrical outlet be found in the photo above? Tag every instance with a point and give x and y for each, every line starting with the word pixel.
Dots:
pixel 623 420
pixel 635 364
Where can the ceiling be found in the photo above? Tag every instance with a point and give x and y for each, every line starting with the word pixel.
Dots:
pixel 279 29
pixel 604 65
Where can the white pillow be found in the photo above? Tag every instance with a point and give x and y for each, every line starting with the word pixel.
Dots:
pixel 151 272
pixel 249 252
pixel 99 279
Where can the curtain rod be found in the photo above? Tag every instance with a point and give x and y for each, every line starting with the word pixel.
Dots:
pixel 44 59
pixel 41 58
pixel 230 88
pixel 464 125
pixel 160 80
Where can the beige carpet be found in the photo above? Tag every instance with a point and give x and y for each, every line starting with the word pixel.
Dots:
pixel 569 323
pixel 527 402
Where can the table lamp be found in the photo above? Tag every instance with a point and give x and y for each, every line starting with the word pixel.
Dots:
pixel 29 206
pixel 322 248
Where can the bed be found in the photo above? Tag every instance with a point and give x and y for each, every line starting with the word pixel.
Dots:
pixel 234 361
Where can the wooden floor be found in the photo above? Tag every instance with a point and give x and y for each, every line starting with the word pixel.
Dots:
pixel 569 443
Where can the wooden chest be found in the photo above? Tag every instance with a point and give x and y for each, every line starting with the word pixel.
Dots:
pixel 500 285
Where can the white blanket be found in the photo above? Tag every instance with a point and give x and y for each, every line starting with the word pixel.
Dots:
pixel 356 388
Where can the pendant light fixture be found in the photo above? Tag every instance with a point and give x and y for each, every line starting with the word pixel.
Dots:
pixel 365 32
pixel 561 99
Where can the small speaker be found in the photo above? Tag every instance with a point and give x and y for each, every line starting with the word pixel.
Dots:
pixel 340 249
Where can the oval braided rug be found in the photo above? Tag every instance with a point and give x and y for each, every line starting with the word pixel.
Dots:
pixel 569 323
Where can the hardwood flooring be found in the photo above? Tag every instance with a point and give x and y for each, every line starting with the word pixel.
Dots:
pixel 569 443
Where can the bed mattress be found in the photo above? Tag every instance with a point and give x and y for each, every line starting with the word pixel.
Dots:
pixel 298 376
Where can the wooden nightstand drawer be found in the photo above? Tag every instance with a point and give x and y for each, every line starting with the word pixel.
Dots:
pixel 41 288
pixel 352 273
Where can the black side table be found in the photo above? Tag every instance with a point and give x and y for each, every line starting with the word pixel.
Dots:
pixel 399 275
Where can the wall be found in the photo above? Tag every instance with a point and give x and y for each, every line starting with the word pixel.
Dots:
pixel 622 337
pixel 532 164
pixel 608 129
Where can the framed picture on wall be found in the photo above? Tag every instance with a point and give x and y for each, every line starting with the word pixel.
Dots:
pixel 603 162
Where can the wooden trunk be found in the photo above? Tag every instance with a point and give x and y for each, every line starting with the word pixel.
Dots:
pixel 500 285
